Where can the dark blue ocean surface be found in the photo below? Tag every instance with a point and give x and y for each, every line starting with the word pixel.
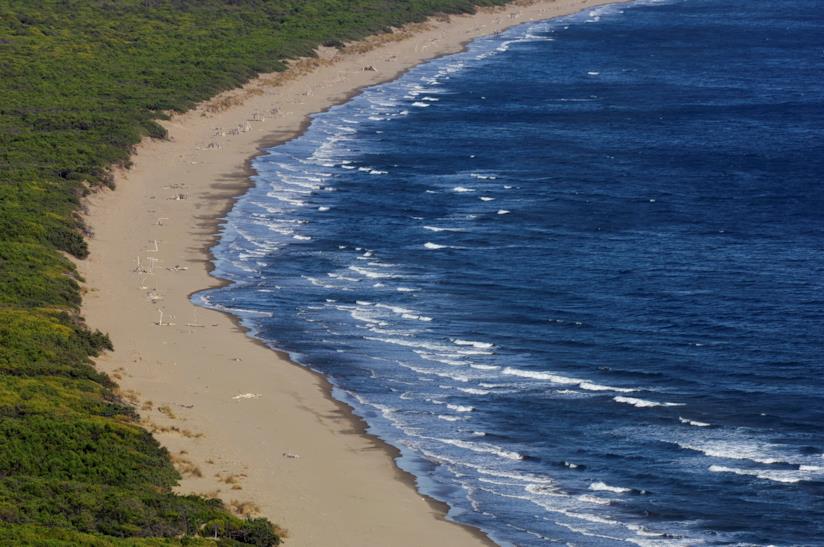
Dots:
pixel 576 273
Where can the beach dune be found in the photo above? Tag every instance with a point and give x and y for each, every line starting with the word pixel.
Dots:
pixel 240 420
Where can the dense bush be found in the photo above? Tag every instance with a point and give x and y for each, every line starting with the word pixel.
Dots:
pixel 81 82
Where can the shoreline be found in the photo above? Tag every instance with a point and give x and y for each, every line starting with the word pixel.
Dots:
pixel 235 425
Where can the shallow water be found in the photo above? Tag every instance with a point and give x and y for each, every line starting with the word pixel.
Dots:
pixel 574 273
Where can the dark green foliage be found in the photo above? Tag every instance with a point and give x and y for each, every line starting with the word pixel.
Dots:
pixel 124 512
pixel 81 82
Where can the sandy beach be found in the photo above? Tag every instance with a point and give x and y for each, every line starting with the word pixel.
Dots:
pixel 241 421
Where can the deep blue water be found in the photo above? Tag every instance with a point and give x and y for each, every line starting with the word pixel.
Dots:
pixel 576 273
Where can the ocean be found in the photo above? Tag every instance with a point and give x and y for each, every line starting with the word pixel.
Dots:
pixel 574 273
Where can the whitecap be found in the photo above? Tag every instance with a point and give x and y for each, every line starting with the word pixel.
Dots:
pixel 369 273
pixel 474 391
pixel 693 422
pixel 604 487
pixel 460 408
pixel 594 499
pixel 563 380
pixel 478 345
pixel 503 212
pixel 483 448
pixel 589 386
pixel 365 318
pixel 733 449
pixel 395 309
pixel 440 229
pixel 423 318
pixel 440 374
pixel 642 403
pixel 485 367
pixel 784 476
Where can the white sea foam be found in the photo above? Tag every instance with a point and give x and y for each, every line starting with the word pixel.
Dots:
pixel 447 359
pixel 318 283
pixel 589 386
pixel 503 212
pixel 483 448
pixel 487 198
pixel 787 476
pixel 479 345
pixel 438 373
pixel 440 229
pixel 594 499
pixel 474 391
pixel 739 449
pixel 562 380
pixel 323 209
pixel 415 317
pixel 450 418
pixel 365 318
pixel 370 273
pixel 693 422
pixel 462 189
pixel 290 201
pixel 604 487
pixel 239 311
pixel 394 309
pixel 589 517
pixel 334 275
pixel 642 403
pixel 416 344
pixel 460 408
pixel 420 104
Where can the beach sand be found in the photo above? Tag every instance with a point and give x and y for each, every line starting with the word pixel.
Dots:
pixel 241 421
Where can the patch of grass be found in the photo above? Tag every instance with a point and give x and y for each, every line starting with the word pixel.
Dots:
pixel 166 410
pixel 185 466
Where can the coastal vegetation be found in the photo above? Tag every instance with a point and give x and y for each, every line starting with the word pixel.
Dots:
pixel 81 83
